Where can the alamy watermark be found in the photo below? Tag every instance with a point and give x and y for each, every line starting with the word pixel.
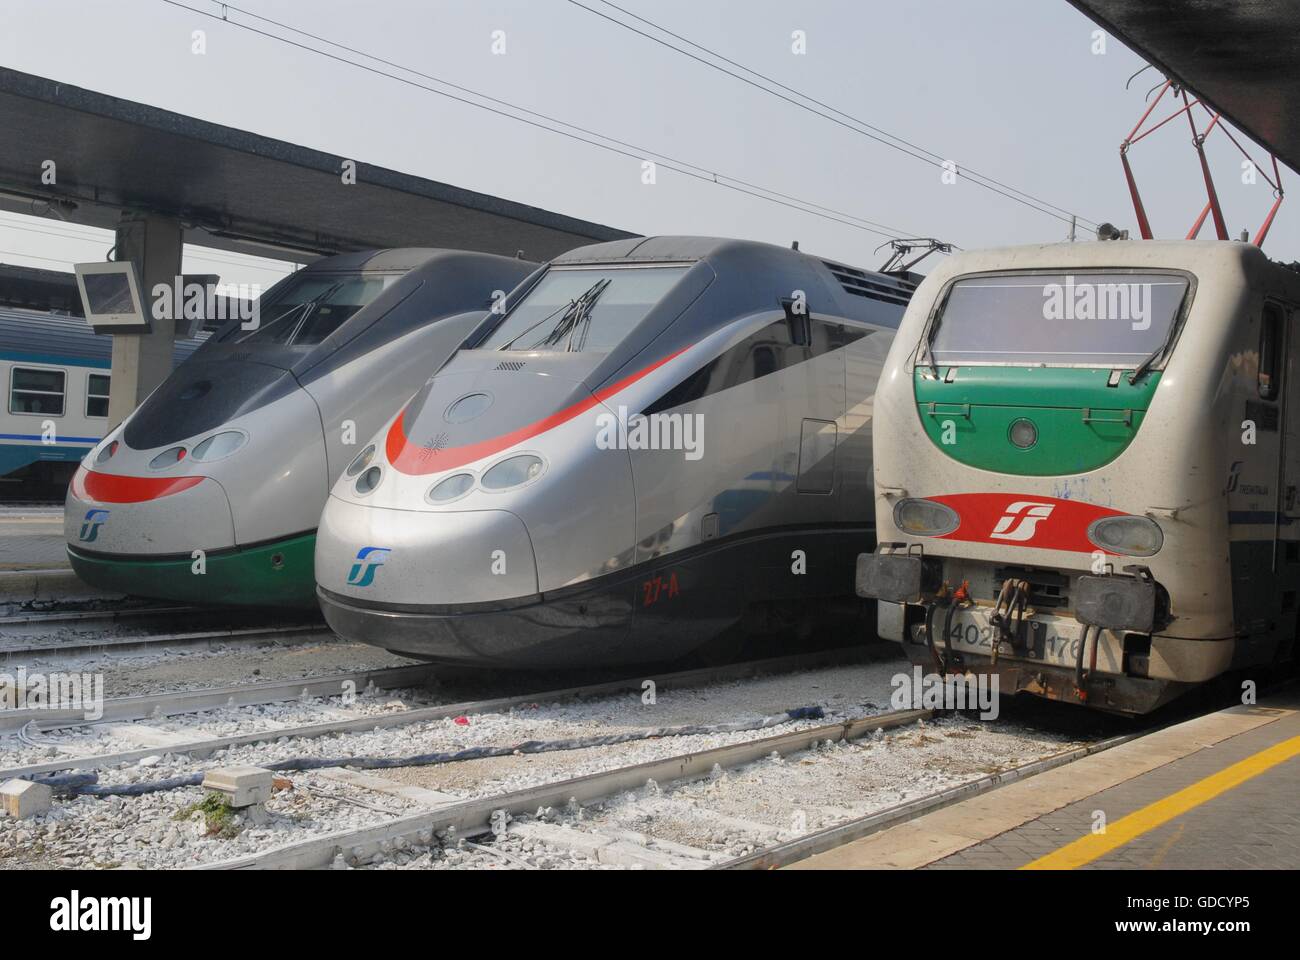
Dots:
pixel 930 691
pixel 81 692
pixel 1098 301
pixel 655 431
pixel 197 302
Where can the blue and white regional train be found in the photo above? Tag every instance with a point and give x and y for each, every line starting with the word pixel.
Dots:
pixel 211 490
pixel 659 439
pixel 55 374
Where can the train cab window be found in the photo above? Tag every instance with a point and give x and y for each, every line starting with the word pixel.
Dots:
pixel 314 307
pixel 1095 319
pixel 37 392
pixel 589 309
pixel 97 395
pixel 1270 342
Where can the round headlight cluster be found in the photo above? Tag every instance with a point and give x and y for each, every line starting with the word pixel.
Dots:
pixel 362 461
pixel 454 487
pixel 925 518
pixel 219 445
pixel 516 471
pixel 513 472
pixel 368 481
pixel 1130 536
pixel 108 450
pixel 168 458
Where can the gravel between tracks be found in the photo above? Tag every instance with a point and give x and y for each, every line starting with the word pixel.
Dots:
pixel 838 781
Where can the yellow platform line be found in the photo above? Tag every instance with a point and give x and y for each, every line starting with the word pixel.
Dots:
pixel 1089 848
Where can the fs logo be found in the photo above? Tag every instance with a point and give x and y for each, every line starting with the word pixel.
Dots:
pixel 369 560
pixel 1020 521
pixel 95 518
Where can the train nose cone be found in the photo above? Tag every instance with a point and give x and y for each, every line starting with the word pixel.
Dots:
pixel 146 516
pixel 417 559
pixel 405 580
pixel 137 535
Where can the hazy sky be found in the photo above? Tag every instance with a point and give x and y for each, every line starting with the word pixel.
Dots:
pixel 1009 88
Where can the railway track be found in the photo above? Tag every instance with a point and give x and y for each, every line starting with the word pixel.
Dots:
pixel 123 709
pixel 14 651
pixel 84 617
pixel 619 816
pixel 153 706
pixel 458 820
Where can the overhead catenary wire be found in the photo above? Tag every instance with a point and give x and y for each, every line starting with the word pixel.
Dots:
pixel 894 141
pixel 686 168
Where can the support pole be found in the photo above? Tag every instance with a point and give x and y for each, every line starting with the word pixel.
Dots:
pixel 141 361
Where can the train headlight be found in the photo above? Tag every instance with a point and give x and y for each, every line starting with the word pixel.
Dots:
pixel 362 461
pixel 925 518
pixel 1130 536
pixel 168 458
pixel 107 452
pixel 220 445
pixel 513 472
pixel 368 481
pixel 451 488
pixel 1023 434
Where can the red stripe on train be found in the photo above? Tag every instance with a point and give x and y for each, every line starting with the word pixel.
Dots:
pixel 412 459
pixel 115 488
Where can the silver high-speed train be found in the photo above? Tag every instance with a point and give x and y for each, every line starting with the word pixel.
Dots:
pixel 657 440
pixel 210 491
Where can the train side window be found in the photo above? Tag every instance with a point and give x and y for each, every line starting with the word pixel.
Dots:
pixel 37 392
pixel 97 395
pixel 1270 337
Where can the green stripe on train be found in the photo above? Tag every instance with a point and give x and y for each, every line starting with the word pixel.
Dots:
pixel 1082 423
pixel 276 574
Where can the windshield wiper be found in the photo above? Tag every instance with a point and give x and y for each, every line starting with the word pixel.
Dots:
pixel 582 316
pixel 929 348
pixel 306 307
pixel 1146 364
pixel 565 322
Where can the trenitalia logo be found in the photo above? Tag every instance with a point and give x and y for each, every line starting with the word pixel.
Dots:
pixel 95 519
pixel 1021 520
pixel 1018 520
pixel 369 560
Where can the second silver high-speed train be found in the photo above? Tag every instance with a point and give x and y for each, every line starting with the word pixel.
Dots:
pixel 659 439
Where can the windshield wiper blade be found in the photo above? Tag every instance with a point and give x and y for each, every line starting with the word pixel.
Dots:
pixel 929 348
pixel 567 308
pixel 1146 364
pixel 582 316
pixel 305 308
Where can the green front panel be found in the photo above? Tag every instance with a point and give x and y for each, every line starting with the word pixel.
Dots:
pixel 278 574
pixel 1081 422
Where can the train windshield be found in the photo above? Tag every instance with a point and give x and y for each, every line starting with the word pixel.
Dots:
pixel 1118 320
pixel 314 305
pixel 583 309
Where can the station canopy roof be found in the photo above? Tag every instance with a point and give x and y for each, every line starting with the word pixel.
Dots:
pixel 239 191
pixel 1241 56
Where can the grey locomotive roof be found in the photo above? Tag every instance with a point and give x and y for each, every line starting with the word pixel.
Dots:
pixel 53 338
pixel 400 259
pixel 853 289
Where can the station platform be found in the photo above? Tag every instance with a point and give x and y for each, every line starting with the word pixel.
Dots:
pixel 32 539
pixel 1219 791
